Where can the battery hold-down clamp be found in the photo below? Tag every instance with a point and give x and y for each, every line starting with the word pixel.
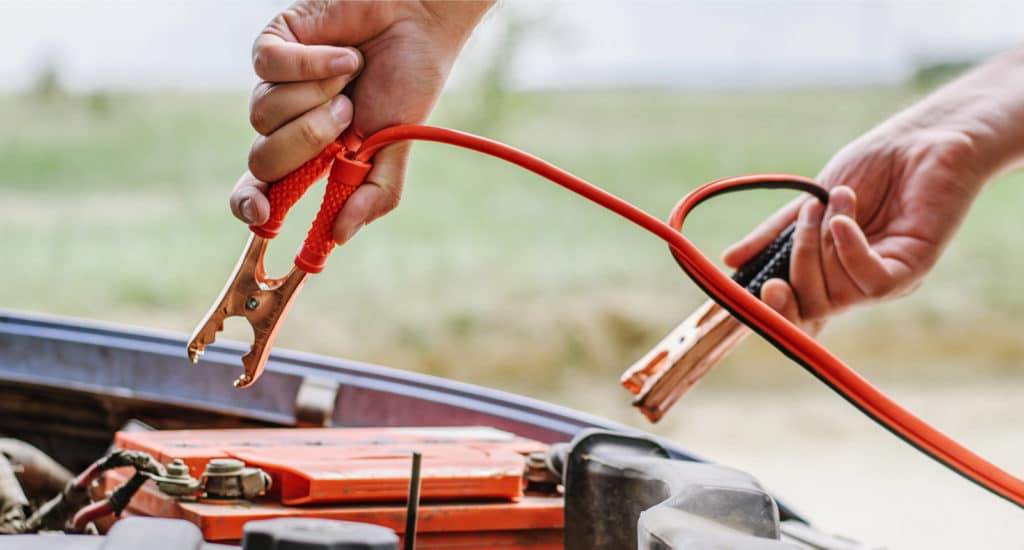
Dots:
pixel 264 301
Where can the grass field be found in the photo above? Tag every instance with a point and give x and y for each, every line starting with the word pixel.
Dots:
pixel 114 208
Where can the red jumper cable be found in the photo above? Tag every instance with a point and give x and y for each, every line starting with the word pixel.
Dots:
pixel 263 301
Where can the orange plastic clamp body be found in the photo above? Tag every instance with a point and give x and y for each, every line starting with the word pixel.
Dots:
pixel 284 193
pixel 471 481
pixel 345 177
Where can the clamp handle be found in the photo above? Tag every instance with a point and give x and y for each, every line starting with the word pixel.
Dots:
pixel 287 191
pixel 772 262
pixel 703 339
pixel 345 176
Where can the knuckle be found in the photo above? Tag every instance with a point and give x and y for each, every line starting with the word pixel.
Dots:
pixel 392 197
pixel 387 201
pixel 235 203
pixel 258 121
pixel 307 67
pixel 881 290
pixel 257 163
pixel 326 88
pixel 803 249
pixel 314 133
pixel 813 312
pixel 258 107
pixel 262 62
pixel 875 292
pixel 842 299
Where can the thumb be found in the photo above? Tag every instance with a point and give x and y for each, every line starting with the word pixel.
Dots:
pixel 779 296
pixel 378 195
pixel 249 201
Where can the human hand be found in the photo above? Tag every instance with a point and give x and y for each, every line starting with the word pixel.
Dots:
pixel 897 196
pixel 390 58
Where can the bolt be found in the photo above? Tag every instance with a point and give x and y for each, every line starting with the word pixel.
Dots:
pixel 177 483
pixel 252 303
pixel 177 469
pixel 224 466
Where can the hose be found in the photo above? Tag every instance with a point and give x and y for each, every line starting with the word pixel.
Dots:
pixel 40 475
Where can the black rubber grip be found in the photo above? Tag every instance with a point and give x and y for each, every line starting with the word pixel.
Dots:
pixel 770 263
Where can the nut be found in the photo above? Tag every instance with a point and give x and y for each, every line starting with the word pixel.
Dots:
pixel 177 482
pixel 228 478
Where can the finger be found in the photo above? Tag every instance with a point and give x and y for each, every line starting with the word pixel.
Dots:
pixel 805 265
pixel 278 60
pixel 274 105
pixel 378 196
pixel 746 248
pixel 842 290
pixel 865 267
pixel 274 156
pixel 249 200
pixel 780 297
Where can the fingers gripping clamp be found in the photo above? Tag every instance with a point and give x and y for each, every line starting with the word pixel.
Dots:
pixel 703 339
pixel 262 301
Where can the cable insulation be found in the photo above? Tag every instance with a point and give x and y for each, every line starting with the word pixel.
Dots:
pixel 775 328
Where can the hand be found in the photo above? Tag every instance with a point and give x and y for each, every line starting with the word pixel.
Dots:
pixel 897 196
pixel 390 58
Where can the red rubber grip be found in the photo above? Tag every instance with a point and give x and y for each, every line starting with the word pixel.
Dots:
pixel 284 193
pixel 346 176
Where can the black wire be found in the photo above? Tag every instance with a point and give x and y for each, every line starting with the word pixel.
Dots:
pixel 821 194
pixel 122 495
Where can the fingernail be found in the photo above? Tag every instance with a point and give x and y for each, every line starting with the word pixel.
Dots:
pixel 813 213
pixel 341 110
pixel 840 232
pixel 840 201
pixel 248 210
pixel 344 63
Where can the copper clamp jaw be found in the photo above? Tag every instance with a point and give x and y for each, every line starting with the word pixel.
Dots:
pixel 682 358
pixel 260 300
pixel 703 339
pixel 263 301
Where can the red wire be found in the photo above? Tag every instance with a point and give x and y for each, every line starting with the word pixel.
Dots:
pixel 88 475
pixel 783 334
pixel 92 512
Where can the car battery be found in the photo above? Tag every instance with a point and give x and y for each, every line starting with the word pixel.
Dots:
pixel 472 482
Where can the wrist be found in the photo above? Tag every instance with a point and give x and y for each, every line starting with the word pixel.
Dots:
pixel 978 118
pixel 456 20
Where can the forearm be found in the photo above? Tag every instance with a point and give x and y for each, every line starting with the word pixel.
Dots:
pixel 456 19
pixel 983 109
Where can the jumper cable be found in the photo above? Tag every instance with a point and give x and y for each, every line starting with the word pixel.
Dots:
pixel 264 302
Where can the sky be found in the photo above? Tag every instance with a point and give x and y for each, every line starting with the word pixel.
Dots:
pixel 202 45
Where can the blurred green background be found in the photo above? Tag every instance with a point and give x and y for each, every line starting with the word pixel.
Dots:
pixel 115 208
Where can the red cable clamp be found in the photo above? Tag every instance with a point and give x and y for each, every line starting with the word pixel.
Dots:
pixel 264 301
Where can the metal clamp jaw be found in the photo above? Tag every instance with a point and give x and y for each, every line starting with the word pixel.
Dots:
pixel 702 340
pixel 682 358
pixel 263 301
pixel 260 300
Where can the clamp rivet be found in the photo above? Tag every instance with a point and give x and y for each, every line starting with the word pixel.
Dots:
pixel 252 303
